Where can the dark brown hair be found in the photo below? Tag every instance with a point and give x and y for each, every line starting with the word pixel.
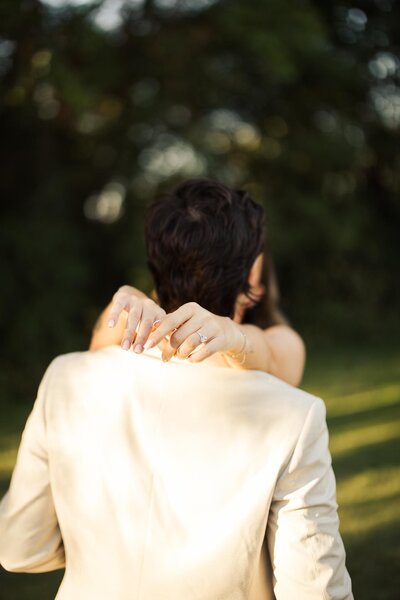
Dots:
pixel 202 239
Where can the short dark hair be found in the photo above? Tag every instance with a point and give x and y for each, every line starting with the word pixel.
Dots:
pixel 202 239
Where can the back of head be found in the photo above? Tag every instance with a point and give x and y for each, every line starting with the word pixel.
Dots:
pixel 202 239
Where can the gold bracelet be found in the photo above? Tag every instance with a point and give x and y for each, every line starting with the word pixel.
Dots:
pixel 242 351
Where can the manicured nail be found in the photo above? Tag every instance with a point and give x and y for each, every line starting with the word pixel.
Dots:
pixel 111 323
pixel 149 344
pixel 138 349
pixel 126 345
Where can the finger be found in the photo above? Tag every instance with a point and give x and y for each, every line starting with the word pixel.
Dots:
pixel 145 327
pixel 187 329
pixel 169 324
pixel 130 331
pixel 156 323
pixel 124 290
pixel 115 312
pixel 206 351
pixel 194 341
pixel 168 351
pixel 163 345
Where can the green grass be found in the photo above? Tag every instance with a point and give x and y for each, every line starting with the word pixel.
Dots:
pixel 361 388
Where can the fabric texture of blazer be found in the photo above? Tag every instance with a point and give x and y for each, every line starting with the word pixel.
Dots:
pixel 177 481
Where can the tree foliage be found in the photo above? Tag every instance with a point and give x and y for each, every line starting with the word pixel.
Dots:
pixel 104 104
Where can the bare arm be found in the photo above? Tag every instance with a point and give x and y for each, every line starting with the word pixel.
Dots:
pixel 278 350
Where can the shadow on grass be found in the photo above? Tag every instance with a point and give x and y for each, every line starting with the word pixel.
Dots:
pixel 4 484
pixel 23 586
pixel 372 556
pixel 374 415
pixel 373 563
pixel 383 454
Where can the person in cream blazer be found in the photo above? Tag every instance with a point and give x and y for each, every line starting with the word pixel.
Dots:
pixel 174 481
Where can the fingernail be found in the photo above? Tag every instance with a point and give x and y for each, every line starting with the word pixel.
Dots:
pixel 125 345
pixel 138 349
pixel 149 344
pixel 111 323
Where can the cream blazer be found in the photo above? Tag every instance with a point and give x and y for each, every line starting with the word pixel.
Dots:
pixel 174 481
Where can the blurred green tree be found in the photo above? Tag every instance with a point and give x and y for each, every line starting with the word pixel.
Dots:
pixel 104 104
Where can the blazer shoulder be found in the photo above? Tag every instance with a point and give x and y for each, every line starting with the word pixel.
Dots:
pixel 63 362
pixel 78 360
pixel 295 399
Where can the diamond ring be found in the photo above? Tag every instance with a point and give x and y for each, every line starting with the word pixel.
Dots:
pixel 203 338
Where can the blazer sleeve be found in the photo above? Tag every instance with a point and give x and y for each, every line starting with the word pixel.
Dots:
pixel 30 538
pixel 306 550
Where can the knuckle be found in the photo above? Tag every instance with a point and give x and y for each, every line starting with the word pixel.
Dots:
pixel 148 302
pixel 122 291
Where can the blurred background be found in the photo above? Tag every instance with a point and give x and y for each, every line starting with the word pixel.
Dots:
pixel 105 104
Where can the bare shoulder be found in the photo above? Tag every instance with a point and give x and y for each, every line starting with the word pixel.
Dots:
pixel 288 353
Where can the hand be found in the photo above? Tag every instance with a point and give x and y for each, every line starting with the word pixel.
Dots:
pixel 142 314
pixel 184 325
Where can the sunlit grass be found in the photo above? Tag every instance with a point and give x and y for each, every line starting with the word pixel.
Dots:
pixel 7 462
pixel 354 403
pixel 369 500
pixel 361 389
pixel 363 436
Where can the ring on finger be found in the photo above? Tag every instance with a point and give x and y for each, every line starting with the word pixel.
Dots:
pixel 155 324
pixel 203 338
